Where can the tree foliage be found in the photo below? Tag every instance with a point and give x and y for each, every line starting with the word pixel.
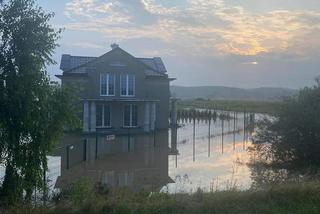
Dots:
pixel 32 112
pixel 293 136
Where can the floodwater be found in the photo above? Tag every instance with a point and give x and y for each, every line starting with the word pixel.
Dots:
pixel 211 165
pixel 182 159
pixel 179 160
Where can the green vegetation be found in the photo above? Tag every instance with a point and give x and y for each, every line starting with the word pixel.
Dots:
pixel 33 113
pixel 232 105
pixel 292 138
pixel 294 198
pixel 231 93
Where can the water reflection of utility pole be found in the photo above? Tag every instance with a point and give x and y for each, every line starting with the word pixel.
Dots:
pixel 222 135
pixel 237 120
pixel 68 148
pixel 244 128
pixel 194 135
pixel 234 130
pixel 209 133
pixel 229 125
pixel 85 142
pixel 96 150
pixel 154 135
pixel 176 160
pixel 174 139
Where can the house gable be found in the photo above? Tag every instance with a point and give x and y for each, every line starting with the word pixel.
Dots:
pixel 117 63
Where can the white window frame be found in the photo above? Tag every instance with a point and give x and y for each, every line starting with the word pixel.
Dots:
pixel 127 85
pixel 107 75
pixel 102 117
pixel 131 115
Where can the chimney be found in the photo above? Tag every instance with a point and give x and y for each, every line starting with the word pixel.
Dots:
pixel 114 46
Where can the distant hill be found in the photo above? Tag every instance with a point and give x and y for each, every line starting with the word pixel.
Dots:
pixel 230 93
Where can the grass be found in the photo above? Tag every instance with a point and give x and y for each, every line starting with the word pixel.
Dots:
pixel 291 198
pixel 232 105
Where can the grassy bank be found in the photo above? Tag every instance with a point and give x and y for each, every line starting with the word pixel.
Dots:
pixel 302 198
pixel 232 105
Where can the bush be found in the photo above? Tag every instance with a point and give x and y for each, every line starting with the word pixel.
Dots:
pixel 292 137
pixel 81 191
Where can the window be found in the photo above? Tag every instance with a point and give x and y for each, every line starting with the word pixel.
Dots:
pixel 107 83
pixel 103 115
pixel 127 85
pixel 130 116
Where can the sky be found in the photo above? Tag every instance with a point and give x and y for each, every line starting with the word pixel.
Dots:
pixel 238 43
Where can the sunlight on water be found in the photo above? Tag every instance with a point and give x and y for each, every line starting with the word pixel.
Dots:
pixel 212 166
pixel 182 159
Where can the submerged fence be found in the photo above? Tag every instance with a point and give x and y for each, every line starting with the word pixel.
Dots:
pixel 231 123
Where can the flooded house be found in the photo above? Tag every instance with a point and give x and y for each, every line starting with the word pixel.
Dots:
pixel 125 104
pixel 119 91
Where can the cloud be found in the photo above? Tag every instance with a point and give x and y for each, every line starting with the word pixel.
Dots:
pixel 100 12
pixel 85 45
pixel 157 9
pixel 159 52
pixel 201 27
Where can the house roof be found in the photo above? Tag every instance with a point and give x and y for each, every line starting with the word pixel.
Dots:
pixel 155 63
pixel 77 64
pixel 69 62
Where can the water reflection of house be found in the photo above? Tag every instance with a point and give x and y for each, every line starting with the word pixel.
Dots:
pixel 137 161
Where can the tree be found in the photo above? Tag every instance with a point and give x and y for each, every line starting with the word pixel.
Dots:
pixel 292 138
pixel 32 112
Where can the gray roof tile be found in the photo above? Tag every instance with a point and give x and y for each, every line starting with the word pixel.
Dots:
pixel 73 64
pixel 69 62
pixel 155 63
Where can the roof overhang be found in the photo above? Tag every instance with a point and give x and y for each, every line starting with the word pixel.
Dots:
pixel 157 77
pixel 66 74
